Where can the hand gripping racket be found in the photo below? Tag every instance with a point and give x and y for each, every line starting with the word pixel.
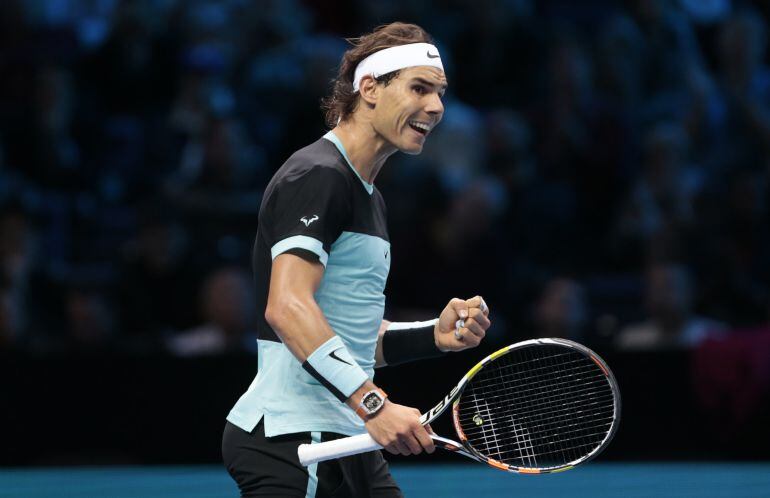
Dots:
pixel 537 406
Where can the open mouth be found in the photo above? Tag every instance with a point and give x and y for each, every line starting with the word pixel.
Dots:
pixel 421 128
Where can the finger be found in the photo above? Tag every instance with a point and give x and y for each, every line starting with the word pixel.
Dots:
pixel 478 302
pixel 459 326
pixel 426 442
pixel 429 429
pixel 475 328
pixel 467 338
pixel 481 318
pixel 393 449
pixel 471 340
pixel 460 307
pixel 401 448
pixel 415 448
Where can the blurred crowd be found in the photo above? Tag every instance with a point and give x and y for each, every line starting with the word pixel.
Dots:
pixel 601 172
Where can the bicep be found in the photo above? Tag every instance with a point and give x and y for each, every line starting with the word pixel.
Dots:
pixel 294 276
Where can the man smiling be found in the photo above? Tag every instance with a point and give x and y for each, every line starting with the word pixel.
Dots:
pixel 321 260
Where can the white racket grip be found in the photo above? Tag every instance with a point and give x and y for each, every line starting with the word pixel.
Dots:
pixel 353 445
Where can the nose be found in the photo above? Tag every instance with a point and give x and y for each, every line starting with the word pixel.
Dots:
pixel 434 106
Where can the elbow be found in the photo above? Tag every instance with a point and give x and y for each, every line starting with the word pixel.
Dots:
pixel 282 310
pixel 275 315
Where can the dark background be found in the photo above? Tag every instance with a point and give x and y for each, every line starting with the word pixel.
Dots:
pixel 601 174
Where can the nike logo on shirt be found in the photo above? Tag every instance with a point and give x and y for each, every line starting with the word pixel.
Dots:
pixel 333 355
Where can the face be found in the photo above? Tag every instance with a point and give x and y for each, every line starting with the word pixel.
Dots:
pixel 409 107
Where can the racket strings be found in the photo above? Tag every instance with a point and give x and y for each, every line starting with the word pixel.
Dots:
pixel 589 404
pixel 562 423
pixel 552 419
pixel 579 431
pixel 492 442
pixel 588 390
pixel 537 407
pixel 536 374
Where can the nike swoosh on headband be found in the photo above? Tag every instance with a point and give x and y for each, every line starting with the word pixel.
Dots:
pixel 431 56
pixel 333 355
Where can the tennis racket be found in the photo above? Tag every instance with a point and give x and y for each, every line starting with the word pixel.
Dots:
pixel 537 406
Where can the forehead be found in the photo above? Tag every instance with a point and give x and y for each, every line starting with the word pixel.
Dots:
pixel 430 74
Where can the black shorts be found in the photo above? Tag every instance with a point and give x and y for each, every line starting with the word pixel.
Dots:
pixel 265 466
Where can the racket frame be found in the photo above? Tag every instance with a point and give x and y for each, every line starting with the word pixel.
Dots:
pixel 453 398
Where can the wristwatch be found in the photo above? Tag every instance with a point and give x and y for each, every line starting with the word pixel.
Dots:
pixel 371 403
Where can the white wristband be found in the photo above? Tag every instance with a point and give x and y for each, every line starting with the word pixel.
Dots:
pixel 412 325
pixel 334 367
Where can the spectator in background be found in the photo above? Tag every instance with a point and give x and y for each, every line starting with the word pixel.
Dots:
pixel 744 85
pixel 39 141
pixel 579 142
pixel 620 60
pixel 661 201
pixel 227 302
pixel 133 71
pixel 219 189
pixel 15 263
pixel 735 232
pixel 671 323
pixel 9 320
pixel 157 280
pixel 25 289
pixel 219 171
pixel 509 145
pixel 731 377
pixel 89 321
pixel 670 49
pixel 561 310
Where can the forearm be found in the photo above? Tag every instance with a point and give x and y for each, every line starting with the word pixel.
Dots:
pixel 300 324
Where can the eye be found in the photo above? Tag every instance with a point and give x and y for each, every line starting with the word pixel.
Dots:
pixel 420 89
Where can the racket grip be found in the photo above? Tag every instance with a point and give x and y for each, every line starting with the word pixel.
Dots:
pixel 313 453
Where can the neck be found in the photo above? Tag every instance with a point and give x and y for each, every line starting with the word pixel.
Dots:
pixel 366 149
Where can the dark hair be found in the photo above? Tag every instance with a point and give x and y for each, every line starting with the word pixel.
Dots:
pixel 343 101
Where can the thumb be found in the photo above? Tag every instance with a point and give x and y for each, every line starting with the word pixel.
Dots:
pixel 460 307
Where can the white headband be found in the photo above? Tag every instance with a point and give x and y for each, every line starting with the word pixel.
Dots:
pixel 394 58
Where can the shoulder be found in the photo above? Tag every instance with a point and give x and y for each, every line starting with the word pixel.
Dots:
pixel 318 164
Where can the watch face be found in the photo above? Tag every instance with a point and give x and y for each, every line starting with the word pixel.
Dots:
pixel 372 401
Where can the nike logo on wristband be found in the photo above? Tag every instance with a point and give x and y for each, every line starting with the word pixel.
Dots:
pixel 338 358
pixel 431 56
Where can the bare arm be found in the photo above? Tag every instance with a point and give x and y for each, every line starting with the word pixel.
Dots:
pixel 299 322
pixel 291 310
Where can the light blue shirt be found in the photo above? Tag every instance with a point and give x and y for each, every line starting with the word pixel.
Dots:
pixel 351 297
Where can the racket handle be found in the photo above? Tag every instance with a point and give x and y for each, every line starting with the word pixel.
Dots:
pixel 312 453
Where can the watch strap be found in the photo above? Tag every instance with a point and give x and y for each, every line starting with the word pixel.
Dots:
pixel 362 412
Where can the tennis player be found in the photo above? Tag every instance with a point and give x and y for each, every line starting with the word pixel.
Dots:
pixel 321 259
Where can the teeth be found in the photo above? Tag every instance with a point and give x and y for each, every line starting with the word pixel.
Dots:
pixel 419 125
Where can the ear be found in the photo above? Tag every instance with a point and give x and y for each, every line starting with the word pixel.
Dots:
pixel 369 90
